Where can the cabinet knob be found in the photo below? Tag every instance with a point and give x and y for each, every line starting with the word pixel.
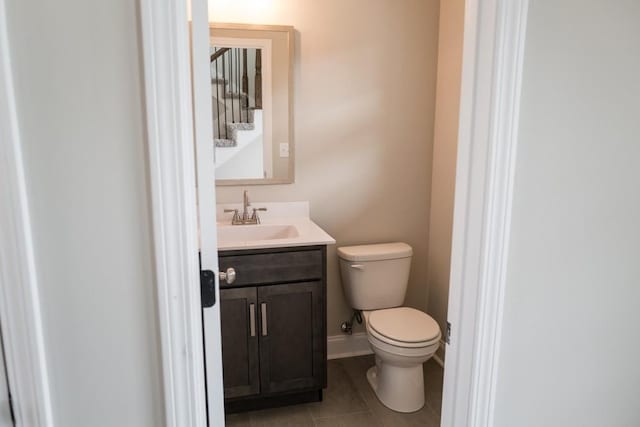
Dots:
pixel 228 276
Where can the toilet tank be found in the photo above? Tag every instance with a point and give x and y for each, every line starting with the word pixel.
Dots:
pixel 375 276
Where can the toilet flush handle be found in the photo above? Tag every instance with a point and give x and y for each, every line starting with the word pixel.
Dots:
pixel 357 266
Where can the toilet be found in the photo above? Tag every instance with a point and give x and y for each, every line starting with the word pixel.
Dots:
pixel 374 279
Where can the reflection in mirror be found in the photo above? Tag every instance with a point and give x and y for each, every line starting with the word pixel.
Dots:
pixel 251 103
pixel 238 119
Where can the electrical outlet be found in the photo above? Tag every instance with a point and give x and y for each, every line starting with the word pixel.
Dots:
pixel 284 149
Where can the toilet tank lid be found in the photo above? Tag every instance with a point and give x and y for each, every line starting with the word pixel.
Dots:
pixel 379 251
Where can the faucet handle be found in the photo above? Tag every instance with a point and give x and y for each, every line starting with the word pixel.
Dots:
pixel 255 216
pixel 236 216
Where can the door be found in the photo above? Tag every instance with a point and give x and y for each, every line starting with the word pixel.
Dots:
pixel 238 310
pixel 292 325
pixel 203 133
pixel 6 417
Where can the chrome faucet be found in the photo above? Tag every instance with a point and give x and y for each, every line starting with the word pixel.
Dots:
pixel 245 219
pixel 245 205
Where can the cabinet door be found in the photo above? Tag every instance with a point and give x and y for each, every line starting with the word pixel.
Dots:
pixel 240 362
pixel 292 349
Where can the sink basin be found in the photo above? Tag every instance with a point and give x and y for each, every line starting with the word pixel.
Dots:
pixel 243 233
pixel 284 225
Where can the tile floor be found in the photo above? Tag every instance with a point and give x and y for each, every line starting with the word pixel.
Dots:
pixel 350 402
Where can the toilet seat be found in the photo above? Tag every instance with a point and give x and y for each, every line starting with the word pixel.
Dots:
pixel 403 327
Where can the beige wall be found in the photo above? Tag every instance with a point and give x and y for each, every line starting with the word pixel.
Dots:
pixel 569 350
pixel 78 79
pixel 445 142
pixel 364 91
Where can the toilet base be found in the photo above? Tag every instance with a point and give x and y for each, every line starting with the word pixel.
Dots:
pixel 400 388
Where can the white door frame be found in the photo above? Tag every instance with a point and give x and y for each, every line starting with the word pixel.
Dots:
pixel 492 58
pixel 19 298
pixel 487 142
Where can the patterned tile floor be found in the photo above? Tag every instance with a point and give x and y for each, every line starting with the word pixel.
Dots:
pixel 349 401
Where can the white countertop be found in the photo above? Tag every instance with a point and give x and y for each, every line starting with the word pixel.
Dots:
pixel 284 215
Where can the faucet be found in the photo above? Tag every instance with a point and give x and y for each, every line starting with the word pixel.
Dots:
pixel 245 219
pixel 245 205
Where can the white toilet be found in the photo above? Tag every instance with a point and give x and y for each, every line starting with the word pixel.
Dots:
pixel 374 278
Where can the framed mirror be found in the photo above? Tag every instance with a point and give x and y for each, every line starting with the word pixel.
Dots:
pixel 252 103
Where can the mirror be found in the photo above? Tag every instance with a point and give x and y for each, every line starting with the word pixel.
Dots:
pixel 251 83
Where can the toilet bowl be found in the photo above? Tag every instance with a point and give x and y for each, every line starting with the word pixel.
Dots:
pixel 402 339
pixel 375 279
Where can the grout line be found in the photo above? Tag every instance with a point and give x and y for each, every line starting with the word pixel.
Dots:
pixel 310 412
pixel 433 411
pixel 368 411
pixel 366 393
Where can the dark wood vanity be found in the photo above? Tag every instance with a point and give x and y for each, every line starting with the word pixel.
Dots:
pixel 274 327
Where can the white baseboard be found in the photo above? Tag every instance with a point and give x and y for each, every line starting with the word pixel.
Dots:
pixel 341 346
pixel 439 361
pixel 439 356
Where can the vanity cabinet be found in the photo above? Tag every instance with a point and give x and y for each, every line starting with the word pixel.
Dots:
pixel 240 359
pixel 273 320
